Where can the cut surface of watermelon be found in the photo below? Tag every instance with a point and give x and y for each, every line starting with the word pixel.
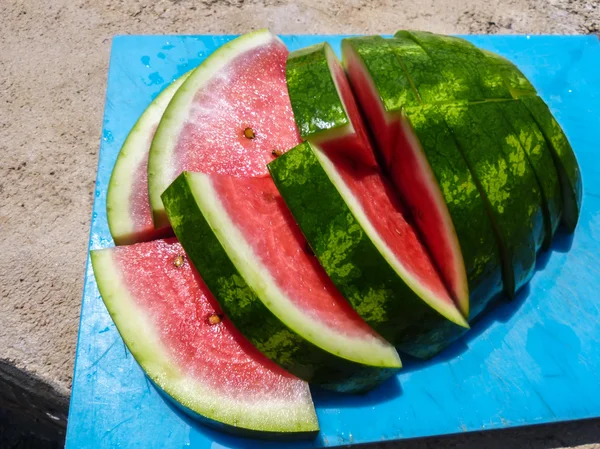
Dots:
pixel 229 117
pixel 357 230
pixel 252 255
pixel 127 208
pixel 383 99
pixel 177 333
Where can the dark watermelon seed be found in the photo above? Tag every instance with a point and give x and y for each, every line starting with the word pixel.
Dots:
pixel 276 153
pixel 249 133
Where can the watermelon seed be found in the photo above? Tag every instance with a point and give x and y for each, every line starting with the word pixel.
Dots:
pixel 249 133
pixel 178 261
pixel 276 153
pixel 214 319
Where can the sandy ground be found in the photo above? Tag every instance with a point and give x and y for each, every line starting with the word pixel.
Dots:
pixel 53 67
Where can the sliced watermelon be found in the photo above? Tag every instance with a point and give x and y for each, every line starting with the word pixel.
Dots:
pixel 253 257
pixel 177 333
pixel 370 63
pixel 431 144
pixel 506 182
pixel 540 159
pixel 357 230
pixel 564 159
pixel 324 107
pixel 127 208
pixel 229 117
pixel 463 65
pixel 517 83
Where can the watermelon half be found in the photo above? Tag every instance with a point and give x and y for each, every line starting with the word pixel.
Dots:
pixel 177 333
pixel 127 208
pixel 253 257
pixel 229 117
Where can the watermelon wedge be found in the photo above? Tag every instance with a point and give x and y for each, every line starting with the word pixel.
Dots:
pixel 383 90
pixel 506 183
pixel 331 120
pixel 357 230
pixel 177 333
pixel 463 65
pixel 253 257
pixel 564 159
pixel 127 208
pixel 229 117
pixel 517 83
pixel 317 84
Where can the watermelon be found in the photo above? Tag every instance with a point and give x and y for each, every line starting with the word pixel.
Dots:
pixel 540 158
pixel 384 91
pixel 517 83
pixel 357 230
pixel 433 144
pixel 186 346
pixel 317 85
pixel 564 159
pixel 253 257
pixel 506 182
pixel 225 118
pixel 127 207
pixel 465 68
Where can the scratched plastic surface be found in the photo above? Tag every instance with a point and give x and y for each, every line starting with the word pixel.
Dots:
pixel 534 360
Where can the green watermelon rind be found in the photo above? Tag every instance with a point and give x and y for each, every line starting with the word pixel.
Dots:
pixel 257 306
pixel 313 93
pixel 160 161
pixel 354 256
pixel 517 83
pixel 507 186
pixel 540 160
pixel 465 206
pixel 378 58
pixel 564 158
pixel 137 333
pixel 453 55
pixel 132 154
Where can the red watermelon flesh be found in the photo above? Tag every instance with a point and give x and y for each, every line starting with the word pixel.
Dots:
pixel 374 193
pixel 190 353
pixel 267 225
pixel 251 94
pixel 356 144
pixel 412 178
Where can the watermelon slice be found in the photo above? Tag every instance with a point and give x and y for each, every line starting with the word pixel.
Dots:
pixel 564 159
pixel 252 255
pixel 358 232
pixel 517 83
pixel 463 65
pixel 566 166
pixel 331 120
pixel 229 117
pixel 127 207
pixel 383 90
pixel 316 84
pixel 507 185
pixel 540 158
pixel 177 333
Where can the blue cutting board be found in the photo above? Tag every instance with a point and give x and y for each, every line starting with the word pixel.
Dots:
pixel 533 360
